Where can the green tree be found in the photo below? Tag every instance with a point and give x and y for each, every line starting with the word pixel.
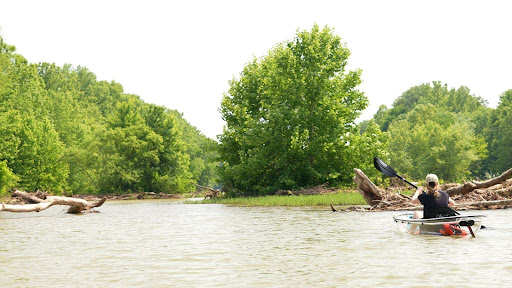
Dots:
pixel 431 140
pixel 34 153
pixel 372 142
pixel 501 135
pixel 7 178
pixel 202 150
pixel 173 173
pixel 289 116
pixel 459 101
pixel 142 151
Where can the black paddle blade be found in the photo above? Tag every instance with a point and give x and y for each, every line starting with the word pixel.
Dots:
pixel 384 168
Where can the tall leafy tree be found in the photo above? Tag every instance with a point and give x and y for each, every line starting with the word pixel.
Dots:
pixel 289 116
pixel 173 173
pixel 7 178
pixel 143 151
pixel 34 153
pixel 372 142
pixel 459 101
pixel 501 135
pixel 431 140
pixel 31 145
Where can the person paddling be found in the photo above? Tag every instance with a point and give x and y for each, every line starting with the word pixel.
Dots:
pixel 435 202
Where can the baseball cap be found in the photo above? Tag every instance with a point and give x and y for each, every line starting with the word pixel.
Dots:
pixel 431 178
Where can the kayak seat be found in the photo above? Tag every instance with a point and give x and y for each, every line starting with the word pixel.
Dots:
pixel 445 212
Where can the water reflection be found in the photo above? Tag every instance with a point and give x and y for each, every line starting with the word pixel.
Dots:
pixel 169 244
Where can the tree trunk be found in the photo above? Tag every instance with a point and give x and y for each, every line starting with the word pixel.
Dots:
pixel 370 192
pixel 38 204
pixel 473 185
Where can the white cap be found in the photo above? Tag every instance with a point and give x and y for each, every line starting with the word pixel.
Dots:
pixel 432 178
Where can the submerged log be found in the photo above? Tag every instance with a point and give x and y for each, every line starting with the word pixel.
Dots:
pixel 37 204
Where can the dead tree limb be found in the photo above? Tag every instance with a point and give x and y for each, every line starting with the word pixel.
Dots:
pixel 76 205
pixel 473 185
pixel 211 193
pixel 370 192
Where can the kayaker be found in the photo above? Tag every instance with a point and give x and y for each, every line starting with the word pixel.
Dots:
pixel 435 202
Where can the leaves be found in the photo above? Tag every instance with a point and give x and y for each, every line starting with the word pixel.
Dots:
pixel 289 117
pixel 63 130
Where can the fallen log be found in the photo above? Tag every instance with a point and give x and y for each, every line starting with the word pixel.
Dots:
pixel 370 192
pixel 76 205
pixel 473 185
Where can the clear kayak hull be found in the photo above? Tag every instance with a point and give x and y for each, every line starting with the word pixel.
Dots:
pixel 460 225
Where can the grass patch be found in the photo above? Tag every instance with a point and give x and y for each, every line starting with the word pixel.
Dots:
pixel 345 198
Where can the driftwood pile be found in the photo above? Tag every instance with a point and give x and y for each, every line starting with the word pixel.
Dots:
pixel 495 193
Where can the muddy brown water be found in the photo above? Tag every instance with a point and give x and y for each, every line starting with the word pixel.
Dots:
pixel 170 244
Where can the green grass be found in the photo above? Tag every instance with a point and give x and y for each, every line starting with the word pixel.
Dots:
pixel 345 198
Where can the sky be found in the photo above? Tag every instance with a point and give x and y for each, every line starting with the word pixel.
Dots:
pixel 182 54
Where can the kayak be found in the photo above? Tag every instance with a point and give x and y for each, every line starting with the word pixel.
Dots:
pixel 460 225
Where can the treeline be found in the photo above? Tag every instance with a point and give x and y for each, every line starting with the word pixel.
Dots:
pixel 290 124
pixel 64 131
pixel 436 129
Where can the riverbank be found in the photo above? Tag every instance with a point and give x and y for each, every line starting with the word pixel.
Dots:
pixel 345 198
pixel 316 196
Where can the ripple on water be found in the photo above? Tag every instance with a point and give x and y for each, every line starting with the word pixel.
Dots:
pixel 165 243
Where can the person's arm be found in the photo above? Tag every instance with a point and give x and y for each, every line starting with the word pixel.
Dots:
pixel 415 199
pixel 451 202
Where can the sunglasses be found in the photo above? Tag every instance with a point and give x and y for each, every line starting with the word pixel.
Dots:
pixel 432 184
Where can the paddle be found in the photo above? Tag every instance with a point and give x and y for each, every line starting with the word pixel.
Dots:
pixel 468 224
pixel 390 172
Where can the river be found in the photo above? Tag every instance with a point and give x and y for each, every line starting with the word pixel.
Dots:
pixel 170 244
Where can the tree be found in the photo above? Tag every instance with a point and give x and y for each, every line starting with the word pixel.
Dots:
pixel 7 178
pixel 30 145
pixel 501 134
pixel 202 150
pixel 459 101
pixel 372 142
pixel 289 117
pixel 141 150
pixel 33 152
pixel 431 140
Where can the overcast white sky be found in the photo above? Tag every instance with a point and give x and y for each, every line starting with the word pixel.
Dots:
pixel 181 54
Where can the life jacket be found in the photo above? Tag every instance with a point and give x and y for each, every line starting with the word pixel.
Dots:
pixel 452 229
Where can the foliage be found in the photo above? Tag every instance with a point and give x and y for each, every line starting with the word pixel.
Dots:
pixel 7 178
pixel 458 121
pixel 500 135
pixel 62 130
pixel 370 143
pixel 458 101
pixel 431 140
pixel 290 116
